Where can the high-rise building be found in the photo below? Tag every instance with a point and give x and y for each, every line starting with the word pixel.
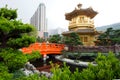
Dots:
pixel 39 20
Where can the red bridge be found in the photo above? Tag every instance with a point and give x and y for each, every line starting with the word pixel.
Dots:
pixel 44 48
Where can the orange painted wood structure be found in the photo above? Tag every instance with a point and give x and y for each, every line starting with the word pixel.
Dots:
pixel 44 48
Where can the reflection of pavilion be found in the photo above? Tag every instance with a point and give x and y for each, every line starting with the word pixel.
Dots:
pixel 80 21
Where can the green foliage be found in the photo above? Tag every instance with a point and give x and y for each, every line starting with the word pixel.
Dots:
pixel 61 73
pixel 4 75
pixel 14 33
pixel 55 38
pixel 107 69
pixel 87 74
pixel 8 13
pixel 18 74
pixel 31 77
pixel 5 26
pixel 109 37
pixel 13 36
pixel 25 40
pixel 40 40
pixel 116 40
pixel 15 59
pixel 44 78
pixel 35 55
pixel 73 39
pixel 76 75
pixel 3 67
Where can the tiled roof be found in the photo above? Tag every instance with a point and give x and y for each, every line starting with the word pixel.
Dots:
pixel 88 12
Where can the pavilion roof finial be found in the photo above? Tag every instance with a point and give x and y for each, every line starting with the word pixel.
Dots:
pixel 79 6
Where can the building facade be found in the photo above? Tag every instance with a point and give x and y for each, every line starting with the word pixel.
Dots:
pixel 39 20
pixel 81 22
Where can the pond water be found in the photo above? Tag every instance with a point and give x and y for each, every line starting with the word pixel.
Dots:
pixel 40 63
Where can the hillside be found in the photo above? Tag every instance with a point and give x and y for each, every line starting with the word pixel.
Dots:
pixel 114 26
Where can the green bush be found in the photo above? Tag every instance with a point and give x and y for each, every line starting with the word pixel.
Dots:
pixel 63 73
pixel 15 59
pixel 31 77
pixel 4 74
pixel 107 68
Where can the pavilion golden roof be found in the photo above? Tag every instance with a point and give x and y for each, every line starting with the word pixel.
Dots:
pixel 88 12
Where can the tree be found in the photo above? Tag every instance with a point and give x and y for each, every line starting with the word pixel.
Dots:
pixel 116 37
pixel 55 38
pixel 40 39
pixel 73 39
pixel 109 37
pixel 13 35
pixel 8 13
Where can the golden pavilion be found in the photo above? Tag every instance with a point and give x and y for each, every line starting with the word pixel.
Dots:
pixel 81 22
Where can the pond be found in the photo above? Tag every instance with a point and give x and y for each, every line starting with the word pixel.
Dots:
pixel 40 63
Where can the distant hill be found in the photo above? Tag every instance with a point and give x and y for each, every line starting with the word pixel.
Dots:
pixel 104 28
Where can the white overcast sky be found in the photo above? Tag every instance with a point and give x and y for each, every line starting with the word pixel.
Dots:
pixel 108 10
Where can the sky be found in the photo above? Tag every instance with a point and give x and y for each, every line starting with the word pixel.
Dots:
pixel 108 10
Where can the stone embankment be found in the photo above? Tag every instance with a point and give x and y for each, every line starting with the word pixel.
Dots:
pixel 74 62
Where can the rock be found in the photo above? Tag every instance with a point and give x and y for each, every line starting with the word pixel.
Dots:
pixel 29 69
pixel 47 74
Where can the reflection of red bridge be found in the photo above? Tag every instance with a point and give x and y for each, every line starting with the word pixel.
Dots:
pixel 44 48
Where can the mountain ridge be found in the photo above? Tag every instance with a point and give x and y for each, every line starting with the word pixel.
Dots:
pixel 104 28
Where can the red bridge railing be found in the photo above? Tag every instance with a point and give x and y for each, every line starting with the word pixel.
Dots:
pixel 44 48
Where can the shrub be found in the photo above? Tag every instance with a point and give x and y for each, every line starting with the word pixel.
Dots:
pixel 107 68
pixel 15 59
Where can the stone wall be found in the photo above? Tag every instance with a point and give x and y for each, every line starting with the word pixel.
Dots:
pixel 103 49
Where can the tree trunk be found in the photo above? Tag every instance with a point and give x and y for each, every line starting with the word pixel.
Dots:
pixel 3 41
